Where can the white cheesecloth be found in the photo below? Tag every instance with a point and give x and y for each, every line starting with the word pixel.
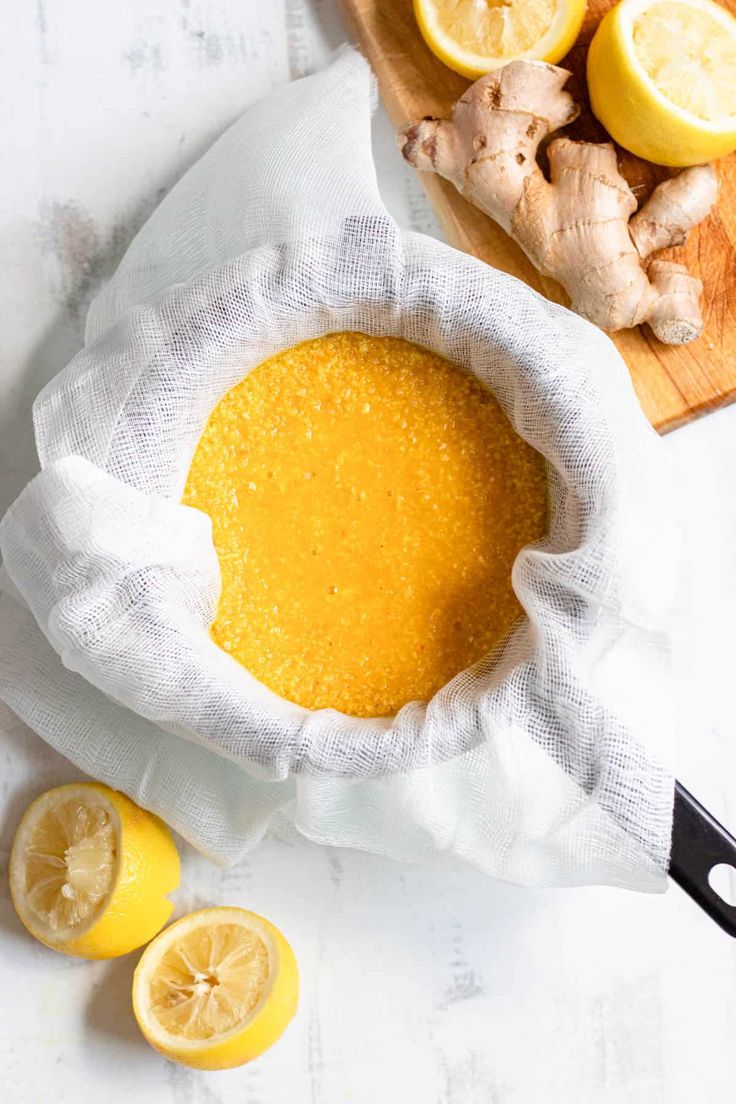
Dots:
pixel 544 763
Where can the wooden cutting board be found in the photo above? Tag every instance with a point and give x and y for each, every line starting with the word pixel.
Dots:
pixel 674 383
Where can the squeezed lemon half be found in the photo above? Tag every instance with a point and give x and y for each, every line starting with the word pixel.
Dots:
pixel 216 989
pixel 662 79
pixel 90 871
pixel 475 36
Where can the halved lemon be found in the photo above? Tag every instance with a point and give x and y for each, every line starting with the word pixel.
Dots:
pixel 662 79
pixel 216 989
pixel 475 36
pixel 90 871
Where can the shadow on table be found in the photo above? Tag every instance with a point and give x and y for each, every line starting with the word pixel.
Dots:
pixel 86 256
pixel 84 252
pixel 11 928
pixel 109 1011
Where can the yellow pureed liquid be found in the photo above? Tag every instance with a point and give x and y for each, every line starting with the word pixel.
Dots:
pixel 368 499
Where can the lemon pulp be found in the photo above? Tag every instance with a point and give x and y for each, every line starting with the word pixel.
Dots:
pixel 498 29
pixel 684 51
pixel 209 981
pixel 70 863
pixel 216 989
pixel 368 499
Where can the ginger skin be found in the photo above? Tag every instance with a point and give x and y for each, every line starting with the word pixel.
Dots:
pixel 581 226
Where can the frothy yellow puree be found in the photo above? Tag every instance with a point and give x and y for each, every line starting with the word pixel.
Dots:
pixel 368 499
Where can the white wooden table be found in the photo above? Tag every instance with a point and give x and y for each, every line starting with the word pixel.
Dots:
pixel 419 987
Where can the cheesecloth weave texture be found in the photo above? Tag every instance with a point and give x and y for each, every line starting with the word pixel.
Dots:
pixel 541 765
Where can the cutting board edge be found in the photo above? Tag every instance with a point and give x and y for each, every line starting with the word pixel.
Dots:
pixel 671 395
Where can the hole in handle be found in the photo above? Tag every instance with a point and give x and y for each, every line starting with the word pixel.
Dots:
pixel 722 880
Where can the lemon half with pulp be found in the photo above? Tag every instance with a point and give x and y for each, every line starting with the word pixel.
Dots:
pixel 662 79
pixel 475 36
pixel 216 989
pixel 90 871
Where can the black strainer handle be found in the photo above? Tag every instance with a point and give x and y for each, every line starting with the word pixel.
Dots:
pixel 699 843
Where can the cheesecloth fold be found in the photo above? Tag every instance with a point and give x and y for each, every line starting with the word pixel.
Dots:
pixel 543 764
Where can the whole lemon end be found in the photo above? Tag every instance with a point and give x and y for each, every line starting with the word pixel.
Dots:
pixel 474 39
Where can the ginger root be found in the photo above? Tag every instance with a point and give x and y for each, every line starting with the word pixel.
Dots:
pixel 580 226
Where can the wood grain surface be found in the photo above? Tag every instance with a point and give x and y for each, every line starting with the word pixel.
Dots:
pixel 674 383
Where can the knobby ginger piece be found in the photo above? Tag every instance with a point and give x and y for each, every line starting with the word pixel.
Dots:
pixel 580 226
